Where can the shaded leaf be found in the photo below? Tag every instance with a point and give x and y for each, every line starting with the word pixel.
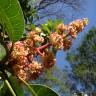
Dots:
pixel 1 85
pixel 42 90
pixel 2 52
pixel 16 86
pixel 4 91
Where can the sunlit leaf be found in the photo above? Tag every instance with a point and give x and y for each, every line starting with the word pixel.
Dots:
pixel 50 25
pixel 45 29
pixel 11 17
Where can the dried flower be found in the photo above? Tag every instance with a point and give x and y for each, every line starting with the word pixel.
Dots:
pixel 48 60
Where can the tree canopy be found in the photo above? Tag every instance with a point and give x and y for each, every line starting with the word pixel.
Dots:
pixel 83 62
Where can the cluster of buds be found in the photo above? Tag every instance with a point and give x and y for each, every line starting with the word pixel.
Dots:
pixel 23 56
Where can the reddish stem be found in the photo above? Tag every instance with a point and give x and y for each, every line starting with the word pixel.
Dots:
pixel 42 47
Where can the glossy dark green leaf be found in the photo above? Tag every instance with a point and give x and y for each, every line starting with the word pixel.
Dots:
pixel 42 90
pixel 11 17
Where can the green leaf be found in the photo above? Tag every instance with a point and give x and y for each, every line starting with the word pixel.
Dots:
pixel 16 86
pixel 33 26
pixel 10 89
pixel 56 22
pixel 29 87
pixel 1 85
pixel 2 52
pixel 11 17
pixel 4 91
pixel 30 27
pixel 45 29
pixel 50 25
pixel 39 90
pixel 42 90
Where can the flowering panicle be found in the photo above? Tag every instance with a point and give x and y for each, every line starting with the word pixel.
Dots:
pixel 24 52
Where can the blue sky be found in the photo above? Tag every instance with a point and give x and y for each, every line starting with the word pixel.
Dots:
pixel 90 13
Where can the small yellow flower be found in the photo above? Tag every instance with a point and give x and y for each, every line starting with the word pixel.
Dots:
pixel 37 29
pixel 85 21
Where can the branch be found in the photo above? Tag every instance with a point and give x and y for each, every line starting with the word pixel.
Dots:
pixel 46 4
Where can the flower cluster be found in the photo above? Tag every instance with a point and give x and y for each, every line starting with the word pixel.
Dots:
pixel 64 34
pixel 23 56
pixel 77 26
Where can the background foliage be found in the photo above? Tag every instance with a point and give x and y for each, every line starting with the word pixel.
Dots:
pixel 83 62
